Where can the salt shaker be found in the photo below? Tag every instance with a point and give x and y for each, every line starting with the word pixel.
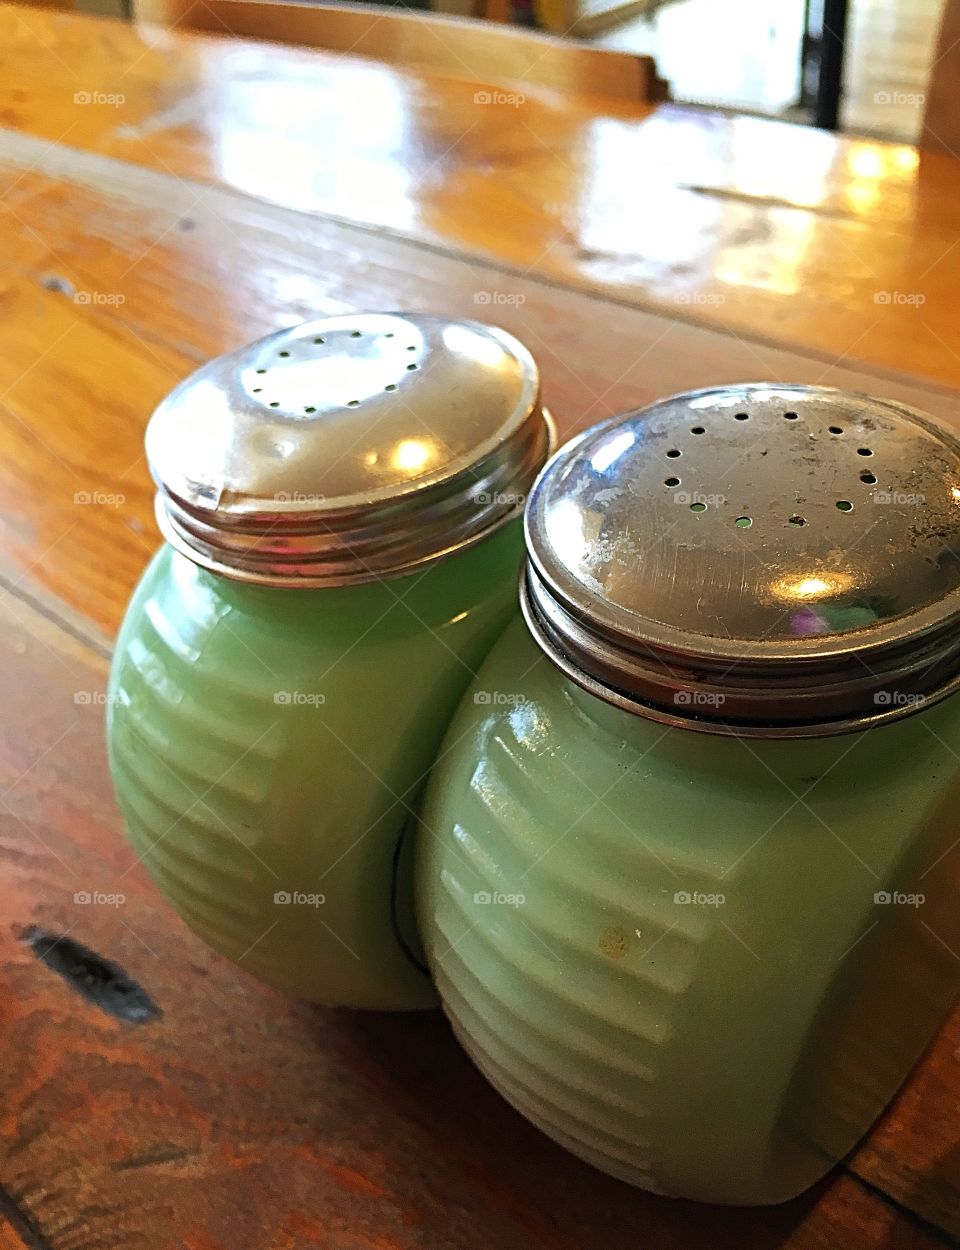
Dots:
pixel 341 504
pixel 687 877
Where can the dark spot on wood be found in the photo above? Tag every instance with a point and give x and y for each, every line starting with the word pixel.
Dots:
pixel 53 282
pixel 186 223
pixel 22 1223
pixel 99 980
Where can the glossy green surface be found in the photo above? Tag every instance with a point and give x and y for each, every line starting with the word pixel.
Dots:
pixel 267 747
pixel 671 950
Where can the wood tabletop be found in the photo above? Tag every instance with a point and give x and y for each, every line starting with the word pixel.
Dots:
pixel 164 197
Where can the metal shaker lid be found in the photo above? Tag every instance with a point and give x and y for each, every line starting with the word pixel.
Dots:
pixel 348 449
pixel 760 559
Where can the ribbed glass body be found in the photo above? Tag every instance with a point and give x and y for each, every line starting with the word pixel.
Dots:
pixel 703 964
pixel 268 745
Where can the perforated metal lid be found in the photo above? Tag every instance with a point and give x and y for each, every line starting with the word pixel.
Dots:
pixel 348 449
pixel 762 560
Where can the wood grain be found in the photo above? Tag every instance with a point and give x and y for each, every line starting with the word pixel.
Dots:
pixel 138 246
pixel 238 1121
pixel 73 420
pixel 127 279
pixel 755 227
pixel 9 1236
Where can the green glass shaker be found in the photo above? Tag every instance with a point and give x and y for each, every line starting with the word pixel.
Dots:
pixel 688 886
pixel 342 507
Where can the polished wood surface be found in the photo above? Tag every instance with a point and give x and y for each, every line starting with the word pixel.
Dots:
pixel 843 248
pixel 172 277
pixel 495 52
pixel 143 237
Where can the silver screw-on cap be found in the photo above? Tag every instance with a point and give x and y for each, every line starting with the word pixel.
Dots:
pixel 348 449
pixel 760 559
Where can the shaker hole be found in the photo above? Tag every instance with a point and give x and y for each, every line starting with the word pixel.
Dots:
pixel 697 429
pixel 355 334
pixel 319 340
pixel 309 410
pixel 698 507
pixel 791 416
pixel 671 481
pixel 836 429
pixel 864 451
pixel 353 403
pixel 257 390
pixel 741 416
pixel 412 347
pixel 261 371
pixel 869 478
pixel 797 521
pixel 673 453
pixel 283 353
pixel 844 505
pixel 744 522
pixel 391 386
pixel 274 403
pixel 413 366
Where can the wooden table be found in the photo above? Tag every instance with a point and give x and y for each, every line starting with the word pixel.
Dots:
pixel 165 197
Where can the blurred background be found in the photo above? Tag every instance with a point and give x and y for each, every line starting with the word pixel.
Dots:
pixel 861 66
pixel 763 55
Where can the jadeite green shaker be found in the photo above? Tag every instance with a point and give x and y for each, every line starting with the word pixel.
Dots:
pixel 342 507
pixel 688 886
